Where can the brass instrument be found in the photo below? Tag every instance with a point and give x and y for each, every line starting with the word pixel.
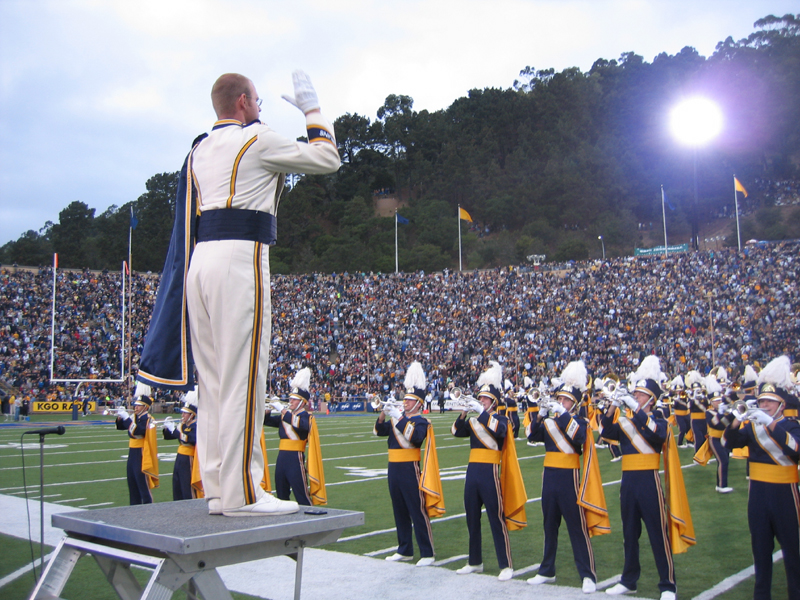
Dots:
pixel 114 411
pixel 379 405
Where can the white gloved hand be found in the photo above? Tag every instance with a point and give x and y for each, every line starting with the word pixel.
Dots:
pixel 393 412
pixel 305 96
pixel 631 402
pixel 277 406
pixel 558 409
pixel 544 410
pixel 760 417
pixel 752 403
pixel 123 414
pixel 169 424
pixel 475 406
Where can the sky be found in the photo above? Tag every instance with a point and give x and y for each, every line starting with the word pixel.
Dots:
pixel 97 96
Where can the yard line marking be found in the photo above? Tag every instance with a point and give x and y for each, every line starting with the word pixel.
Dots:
pixel 526 570
pixel 368 534
pixel 69 500
pixel 601 585
pixel 67 464
pixel 379 552
pixel 730 582
pixel 93 505
pixel 22 570
pixel 19 487
pixel 452 559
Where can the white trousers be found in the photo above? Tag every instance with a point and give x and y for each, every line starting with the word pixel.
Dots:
pixel 229 317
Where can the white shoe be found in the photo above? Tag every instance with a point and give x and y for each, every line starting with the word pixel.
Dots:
pixel 398 557
pixel 506 574
pixel 589 586
pixel 266 506
pixel 667 595
pixel 214 506
pixel 619 458
pixel 467 569
pixel 425 561
pixel 724 490
pixel 540 579
pixel 619 590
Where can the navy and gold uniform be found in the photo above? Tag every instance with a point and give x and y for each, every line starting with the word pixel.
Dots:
pixel 142 467
pixel 716 429
pixel 490 445
pixel 290 468
pixel 680 407
pixel 564 436
pixel 186 434
pixel 642 437
pixel 773 509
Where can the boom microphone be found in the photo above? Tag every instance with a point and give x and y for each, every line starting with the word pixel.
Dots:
pixel 57 430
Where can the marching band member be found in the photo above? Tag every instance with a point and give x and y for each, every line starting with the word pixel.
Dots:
pixel 532 397
pixel 186 434
pixel 642 438
pixel 297 429
pixel 680 407
pixel 713 444
pixel 695 386
pixel 493 477
pixel 610 381
pixel 142 446
pixel 773 509
pixel 416 495
pixel 581 503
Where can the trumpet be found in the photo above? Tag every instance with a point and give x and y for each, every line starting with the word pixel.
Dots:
pixel 742 411
pixel 275 403
pixel 378 405
pixel 462 402
pixel 114 411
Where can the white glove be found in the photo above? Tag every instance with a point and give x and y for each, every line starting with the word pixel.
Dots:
pixel 393 412
pixel 558 409
pixel 305 96
pixel 631 402
pixel 752 403
pixel 475 406
pixel 760 417
pixel 123 414
pixel 277 406
pixel 659 404
pixel 169 424
pixel 544 410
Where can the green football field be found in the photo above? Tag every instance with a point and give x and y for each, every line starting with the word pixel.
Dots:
pixel 85 468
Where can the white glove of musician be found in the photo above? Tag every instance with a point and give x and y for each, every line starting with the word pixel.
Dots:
pixel 393 412
pixel 305 96
pixel 631 402
pixel 760 417
pixel 752 403
pixel 169 424
pixel 544 410
pixel 123 414
pixel 276 406
pixel 558 409
pixel 475 406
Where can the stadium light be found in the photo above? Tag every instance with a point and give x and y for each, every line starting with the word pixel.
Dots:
pixel 695 122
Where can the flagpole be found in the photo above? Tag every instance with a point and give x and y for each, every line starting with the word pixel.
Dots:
pixel 664 218
pixel 458 220
pixel 736 207
pixel 53 318
pixel 396 262
pixel 130 300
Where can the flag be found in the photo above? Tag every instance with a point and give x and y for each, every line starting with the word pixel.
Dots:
pixel 400 219
pixel 666 200
pixel 464 215
pixel 739 187
pixel 134 220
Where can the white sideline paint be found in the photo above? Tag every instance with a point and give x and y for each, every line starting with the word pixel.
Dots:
pixel 730 582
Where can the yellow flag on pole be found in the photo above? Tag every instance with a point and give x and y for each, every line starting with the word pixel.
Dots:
pixel 737 185
pixel 464 215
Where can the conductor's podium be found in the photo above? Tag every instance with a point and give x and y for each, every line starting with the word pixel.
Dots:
pixel 182 546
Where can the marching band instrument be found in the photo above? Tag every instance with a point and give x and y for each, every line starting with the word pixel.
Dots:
pixel 115 411
pixel 378 405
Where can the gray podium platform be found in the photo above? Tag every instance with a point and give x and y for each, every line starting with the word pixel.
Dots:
pixel 182 545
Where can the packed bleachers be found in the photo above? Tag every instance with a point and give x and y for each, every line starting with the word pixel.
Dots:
pixel 358 331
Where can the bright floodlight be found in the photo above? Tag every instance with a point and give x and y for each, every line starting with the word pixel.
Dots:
pixel 696 121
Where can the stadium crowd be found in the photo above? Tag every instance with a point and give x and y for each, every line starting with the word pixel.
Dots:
pixel 358 331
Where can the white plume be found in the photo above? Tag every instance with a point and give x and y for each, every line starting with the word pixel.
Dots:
pixel 693 377
pixel 712 385
pixel 722 375
pixel 190 399
pixel 750 373
pixel 574 375
pixel 598 383
pixel 507 385
pixel 677 382
pixel 492 376
pixel 142 389
pixel 527 382
pixel 415 376
pixel 778 372
pixel 649 369
pixel 302 380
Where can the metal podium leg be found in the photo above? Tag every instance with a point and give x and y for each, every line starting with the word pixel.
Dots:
pixel 298 573
pixel 211 586
pixel 55 575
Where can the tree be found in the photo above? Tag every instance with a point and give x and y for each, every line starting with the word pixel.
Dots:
pixel 70 236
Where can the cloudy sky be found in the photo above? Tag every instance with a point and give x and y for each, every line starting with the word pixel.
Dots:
pixel 96 96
